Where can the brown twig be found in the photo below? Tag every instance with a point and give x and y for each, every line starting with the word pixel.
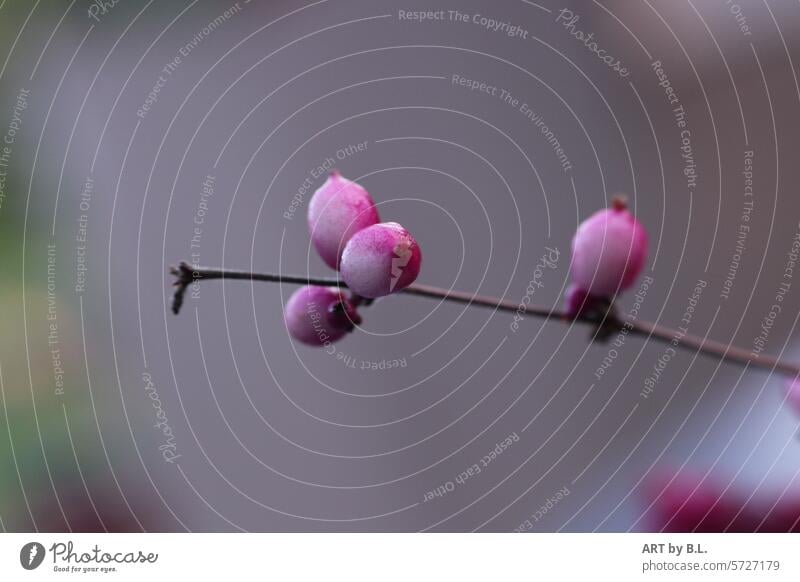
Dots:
pixel 606 322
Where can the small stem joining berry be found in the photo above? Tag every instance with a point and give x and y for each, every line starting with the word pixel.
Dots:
pixel 606 322
pixel 619 202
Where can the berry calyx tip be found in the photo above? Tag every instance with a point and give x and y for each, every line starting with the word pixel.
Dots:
pixel 619 202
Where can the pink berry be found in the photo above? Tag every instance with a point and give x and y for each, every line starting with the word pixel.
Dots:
pixel 793 394
pixel 319 316
pixel 687 503
pixel 381 259
pixel 338 210
pixel 608 252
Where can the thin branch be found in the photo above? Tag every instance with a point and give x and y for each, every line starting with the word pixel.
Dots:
pixel 606 322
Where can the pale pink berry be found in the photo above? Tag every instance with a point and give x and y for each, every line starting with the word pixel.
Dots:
pixel 793 394
pixel 381 259
pixel 319 316
pixel 338 210
pixel 608 252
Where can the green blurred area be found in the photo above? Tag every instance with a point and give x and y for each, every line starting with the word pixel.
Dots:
pixel 40 454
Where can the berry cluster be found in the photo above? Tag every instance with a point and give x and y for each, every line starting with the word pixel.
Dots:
pixel 374 259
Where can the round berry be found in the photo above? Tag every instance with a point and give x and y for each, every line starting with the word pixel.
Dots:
pixel 338 210
pixel 608 251
pixel 685 502
pixel 319 316
pixel 793 394
pixel 381 259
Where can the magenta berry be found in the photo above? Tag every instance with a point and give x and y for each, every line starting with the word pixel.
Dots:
pixel 608 252
pixel 381 259
pixel 339 209
pixel 688 503
pixel 319 316
pixel 579 303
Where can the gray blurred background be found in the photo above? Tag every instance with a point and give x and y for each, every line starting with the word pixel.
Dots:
pixel 120 416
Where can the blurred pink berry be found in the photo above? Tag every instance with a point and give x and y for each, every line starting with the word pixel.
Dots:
pixel 319 316
pixel 689 503
pixel 338 210
pixel 580 303
pixel 608 252
pixel 380 260
pixel 793 394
